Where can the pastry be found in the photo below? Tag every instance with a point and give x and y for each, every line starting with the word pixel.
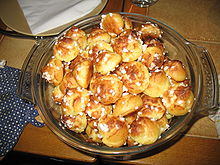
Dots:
pixel 128 46
pixel 83 72
pixel 144 131
pixel 68 82
pixel 178 99
pixel 92 131
pixel 163 123
pixel 149 30
pixel 158 84
pixel 128 23
pixel 135 76
pixel 77 35
pixel 95 48
pixel 107 62
pixel 57 95
pixel 76 123
pixel 96 110
pixel 113 23
pixel 106 88
pixel 53 71
pixel 66 49
pixel 152 108
pixel 175 69
pixel 130 117
pixel 127 104
pixel 98 34
pixel 153 57
pixel 75 101
pixel 114 131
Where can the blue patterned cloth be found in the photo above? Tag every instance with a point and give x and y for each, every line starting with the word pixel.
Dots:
pixel 15 113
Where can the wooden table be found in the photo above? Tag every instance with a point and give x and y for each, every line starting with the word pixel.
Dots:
pixel 196 20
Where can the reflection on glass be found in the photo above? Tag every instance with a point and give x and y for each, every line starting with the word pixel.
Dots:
pixel 143 3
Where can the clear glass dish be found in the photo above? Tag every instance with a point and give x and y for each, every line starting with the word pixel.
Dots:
pixel 200 70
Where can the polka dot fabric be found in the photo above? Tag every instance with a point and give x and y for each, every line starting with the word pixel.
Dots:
pixel 15 113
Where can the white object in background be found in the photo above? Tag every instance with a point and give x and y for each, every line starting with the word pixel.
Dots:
pixel 44 15
pixel 2 63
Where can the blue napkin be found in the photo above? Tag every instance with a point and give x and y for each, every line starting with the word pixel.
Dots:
pixel 15 113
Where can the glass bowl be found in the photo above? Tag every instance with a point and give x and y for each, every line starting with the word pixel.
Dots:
pixel 200 69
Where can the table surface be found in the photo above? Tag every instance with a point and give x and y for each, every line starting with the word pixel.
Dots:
pixel 199 22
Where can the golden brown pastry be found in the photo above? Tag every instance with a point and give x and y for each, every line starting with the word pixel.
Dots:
pixel 77 35
pixel 83 73
pixel 168 115
pixel 72 64
pixel 158 84
pixel 144 131
pixel 96 110
pixel 128 23
pixel 98 34
pixel 107 88
pixel 57 95
pixel 178 99
pixel 130 34
pixel 131 142
pixel 113 23
pixel 163 124
pixel 149 30
pixel 92 131
pixel 114 130
pixel 107 62
pixel 127 104
pixel 95 48
pixel 175 69
pixel 149 41
pixel 101 46
pixel 153 108
pixel 75 123
pixel 135 76
pixel 85 54
pixel 53 71
pixel 153 57
pixel 130 117
pixel 75 101
pixel 66 67
pixel 66 49
pixel 68 82
pixel 128 46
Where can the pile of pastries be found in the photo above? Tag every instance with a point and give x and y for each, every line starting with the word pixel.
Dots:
pixel 116 84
